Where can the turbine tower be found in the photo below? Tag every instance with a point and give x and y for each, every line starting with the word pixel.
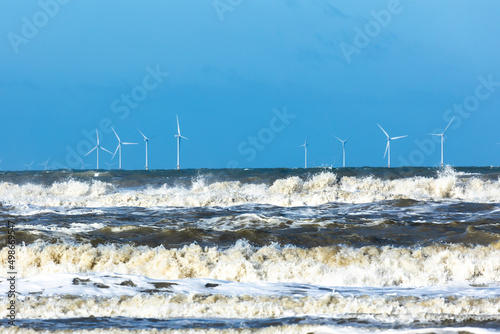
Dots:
pixel 146 139
pixel 343 149
pixel 97 147
pixel 442 140
pixel 178 136
pixel 45 163
pixel 119 149
pixel 388 146
pixel 305 152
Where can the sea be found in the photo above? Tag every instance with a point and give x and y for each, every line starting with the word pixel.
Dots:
pixel 319 250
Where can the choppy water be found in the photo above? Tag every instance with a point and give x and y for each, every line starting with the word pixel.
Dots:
pixel 405 250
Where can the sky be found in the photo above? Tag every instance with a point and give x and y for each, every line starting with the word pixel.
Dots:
pixel 249 81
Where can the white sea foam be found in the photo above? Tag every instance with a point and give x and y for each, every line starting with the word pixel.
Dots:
pixel 327 266
pixel 71 229
pixel 115 285
pixel 321 188
pixel 57 296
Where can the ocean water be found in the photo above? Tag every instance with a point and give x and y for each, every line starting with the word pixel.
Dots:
pixel 354 250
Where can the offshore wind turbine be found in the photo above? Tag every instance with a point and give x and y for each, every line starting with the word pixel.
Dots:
pixel 97 147
pixel 388 146
pixel 146 139
pixel 109 165
pixel 442 140
pixel 343 149
pixel 178 136
pixel 45 163
pixel 119 149
pixel 305 151
pixel 83 164
pixel 29 165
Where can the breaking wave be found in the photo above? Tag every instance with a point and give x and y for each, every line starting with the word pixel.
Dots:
pixel 320 188
pixel 328 266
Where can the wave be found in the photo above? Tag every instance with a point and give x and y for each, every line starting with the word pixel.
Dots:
pixel 327 266
pixel 162 306
pixel 320 188
pixel 289 329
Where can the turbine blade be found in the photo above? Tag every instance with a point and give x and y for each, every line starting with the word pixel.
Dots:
pixel 115 151
pixel 394 138
pixel 386 148
pixel 448 125
pixel 97 135
pixel 116 134
pixel 383 130
pixel 102 148
pixel 338 138
pixel 183 137
pixel 91 151
pixel 129 143
pixel 145 138
pixel 434 134
pixel 178 127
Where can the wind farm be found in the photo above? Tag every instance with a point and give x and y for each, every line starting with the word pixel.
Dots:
pixel 179 137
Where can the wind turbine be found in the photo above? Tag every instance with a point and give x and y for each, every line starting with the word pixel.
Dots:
pixel 45 163
pixel 119 148
pixel 343 149
pixel 305 151
pixel 146 139
pixel 442 140
pixel 388 146
pixel 29 165
pixel 178 136
pixel 83 164
pixel 109 165
pixel 97 147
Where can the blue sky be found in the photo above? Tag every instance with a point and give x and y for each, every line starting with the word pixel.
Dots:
pixel 249 81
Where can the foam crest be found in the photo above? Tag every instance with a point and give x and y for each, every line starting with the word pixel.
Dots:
pixel 318 189
pixel 164 306
pixel 327 266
